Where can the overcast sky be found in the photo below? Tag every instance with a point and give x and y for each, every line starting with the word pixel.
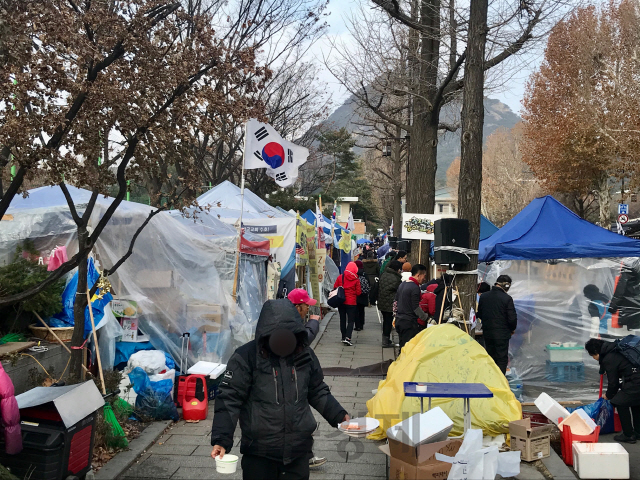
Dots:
pixel 511 95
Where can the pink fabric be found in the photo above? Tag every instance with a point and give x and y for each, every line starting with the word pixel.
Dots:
pixel 10 415
pixel 58 257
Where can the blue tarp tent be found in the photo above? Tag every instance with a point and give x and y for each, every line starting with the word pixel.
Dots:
pixel 486 228
pixel 310 217
pixel 545 229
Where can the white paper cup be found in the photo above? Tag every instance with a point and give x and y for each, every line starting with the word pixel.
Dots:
pixel 227 464
pixel 421 388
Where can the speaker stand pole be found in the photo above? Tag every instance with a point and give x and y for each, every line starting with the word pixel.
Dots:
pixel 420 252
pixel 444 302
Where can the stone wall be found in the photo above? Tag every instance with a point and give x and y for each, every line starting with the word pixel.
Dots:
pixel 54 360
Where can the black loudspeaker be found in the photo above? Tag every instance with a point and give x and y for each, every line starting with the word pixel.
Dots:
pixel 393 242
pixel 451 232
pixel 404 245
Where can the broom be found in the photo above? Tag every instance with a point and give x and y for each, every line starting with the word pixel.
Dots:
pixel 117 438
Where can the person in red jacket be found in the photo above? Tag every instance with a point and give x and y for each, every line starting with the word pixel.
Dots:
pixel 349 309
pixel 428 300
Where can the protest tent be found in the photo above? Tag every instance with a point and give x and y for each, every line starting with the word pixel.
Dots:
pixel 546 229
pixel 338 230
pixel 180 279
pixel 551 255
pixel 224 202
pixel 487 228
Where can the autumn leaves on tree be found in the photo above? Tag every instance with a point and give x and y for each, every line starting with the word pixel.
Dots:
pixel 582 108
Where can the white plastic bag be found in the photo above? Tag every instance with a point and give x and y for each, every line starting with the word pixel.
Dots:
pixel 509 464
pixel 151 361
pixel 472 462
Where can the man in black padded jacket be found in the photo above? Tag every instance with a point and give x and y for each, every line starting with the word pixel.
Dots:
pixel 269 385
pixel 499 320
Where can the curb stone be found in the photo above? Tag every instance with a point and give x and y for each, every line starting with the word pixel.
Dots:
pixel 123 460
pixel 323 326
pixel 557 468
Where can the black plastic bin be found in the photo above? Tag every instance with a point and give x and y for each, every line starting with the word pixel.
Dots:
pixel 51 451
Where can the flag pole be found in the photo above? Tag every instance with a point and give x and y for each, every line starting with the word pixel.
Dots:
pixel 235 275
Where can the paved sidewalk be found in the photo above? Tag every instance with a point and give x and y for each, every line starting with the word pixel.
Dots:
pixel 184 451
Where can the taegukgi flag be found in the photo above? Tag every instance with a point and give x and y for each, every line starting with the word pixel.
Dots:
pixel 265 148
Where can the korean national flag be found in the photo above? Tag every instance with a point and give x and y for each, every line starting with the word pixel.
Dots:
pixel 265 148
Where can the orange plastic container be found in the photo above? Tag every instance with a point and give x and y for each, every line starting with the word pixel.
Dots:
pixel 192 407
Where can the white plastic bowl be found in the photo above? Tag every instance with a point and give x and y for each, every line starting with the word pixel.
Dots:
pixel 227 464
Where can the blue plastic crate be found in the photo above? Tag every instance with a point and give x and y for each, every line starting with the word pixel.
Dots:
pixel 566 372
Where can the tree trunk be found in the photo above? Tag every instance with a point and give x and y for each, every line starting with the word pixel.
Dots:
pixel 604 201
pixel 79 308
pixel 470 184
pixel 421 174
pixel 397 182
pixel 422 164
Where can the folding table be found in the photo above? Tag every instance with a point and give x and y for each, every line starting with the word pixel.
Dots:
pixel 466 391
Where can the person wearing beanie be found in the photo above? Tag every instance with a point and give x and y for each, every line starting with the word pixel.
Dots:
pixel 406 271
pixel 363 299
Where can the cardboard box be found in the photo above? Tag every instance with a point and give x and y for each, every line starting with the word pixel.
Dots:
pixel 122 307
pixel 130 327
pixel 205 317
pixel 418 463
pixel 533 442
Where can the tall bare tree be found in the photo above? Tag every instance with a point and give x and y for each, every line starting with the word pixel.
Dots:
pixel 433 29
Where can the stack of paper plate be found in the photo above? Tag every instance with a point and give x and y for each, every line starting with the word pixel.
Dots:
pixel 359 427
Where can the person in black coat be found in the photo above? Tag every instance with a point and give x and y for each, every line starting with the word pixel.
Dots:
pixel 389 283
pixel 499 321
pixel 411 319
pixel 269 385
pixel 625 395
pixel 363 299
pixel 626 296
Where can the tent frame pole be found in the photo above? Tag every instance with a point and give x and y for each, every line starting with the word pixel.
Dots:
pixel 235 275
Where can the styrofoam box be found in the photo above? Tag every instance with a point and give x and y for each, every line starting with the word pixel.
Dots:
pixel 580 423
pixel 428 427
pixel 550 408
pixel 601 460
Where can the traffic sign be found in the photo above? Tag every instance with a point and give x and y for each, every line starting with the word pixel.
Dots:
pixel 623 218
pixel 623 209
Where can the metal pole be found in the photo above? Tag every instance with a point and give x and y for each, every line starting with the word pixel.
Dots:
pixel 235 275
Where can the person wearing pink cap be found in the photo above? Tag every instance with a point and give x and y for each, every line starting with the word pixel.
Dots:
pixel 302 301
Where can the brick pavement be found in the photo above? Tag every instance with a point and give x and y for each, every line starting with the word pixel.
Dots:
pixel 183 452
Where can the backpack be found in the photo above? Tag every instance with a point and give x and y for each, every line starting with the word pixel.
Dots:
pixel 365 286
pixel 629 347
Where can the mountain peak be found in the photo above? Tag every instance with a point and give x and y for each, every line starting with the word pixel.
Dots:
pixel 496 115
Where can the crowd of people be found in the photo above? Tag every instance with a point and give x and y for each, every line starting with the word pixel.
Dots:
pixel 277 375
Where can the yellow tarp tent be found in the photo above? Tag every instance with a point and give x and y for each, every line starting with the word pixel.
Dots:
pixel 445 354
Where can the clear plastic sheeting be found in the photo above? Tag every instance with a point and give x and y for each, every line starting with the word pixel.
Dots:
pixel 108 334
pixel 181 279
pixel 560 305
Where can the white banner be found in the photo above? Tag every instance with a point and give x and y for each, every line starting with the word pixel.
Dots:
pixel 281 233
pixel 418 226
